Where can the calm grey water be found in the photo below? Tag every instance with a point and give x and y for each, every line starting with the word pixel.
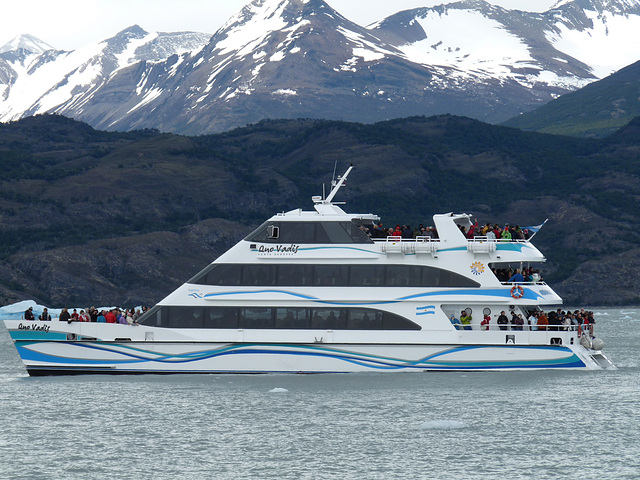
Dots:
pixel 534 425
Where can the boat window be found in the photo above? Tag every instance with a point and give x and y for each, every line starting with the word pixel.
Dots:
pixel 296 275
pixel 367 275
pixel 343 318
pixel 221 317
pixel 308 233
pixel 292 318
pixel 331 275
pixel 258 275
pixel 273 232
pixel 403 275
pixel 256 318
pixel 364 319
pixel 338 233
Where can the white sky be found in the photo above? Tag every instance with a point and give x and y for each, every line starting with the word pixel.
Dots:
pixel 69 24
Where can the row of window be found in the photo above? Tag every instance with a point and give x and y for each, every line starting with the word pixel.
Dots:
pixel 308 232
pixel 344 318
pixel 294 275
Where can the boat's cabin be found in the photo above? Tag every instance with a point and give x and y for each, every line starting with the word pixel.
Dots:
pixel 304 232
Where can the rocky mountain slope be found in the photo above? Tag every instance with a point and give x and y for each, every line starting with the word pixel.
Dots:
pixel 302 59
pixel 91 217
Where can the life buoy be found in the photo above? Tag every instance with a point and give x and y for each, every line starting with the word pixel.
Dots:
pixel 517 292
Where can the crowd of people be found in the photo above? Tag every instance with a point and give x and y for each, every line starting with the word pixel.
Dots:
pixel 517 276
pixel 507 233
pixel 125 316
pixel 377 230
pixel 554 320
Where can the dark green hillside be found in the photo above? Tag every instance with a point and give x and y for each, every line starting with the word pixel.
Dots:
pixel 597 110
pixel 119 218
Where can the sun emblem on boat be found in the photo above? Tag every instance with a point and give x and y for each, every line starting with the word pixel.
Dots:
pixel 477 268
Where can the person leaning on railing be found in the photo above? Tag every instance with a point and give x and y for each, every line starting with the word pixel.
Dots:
pixel 465 319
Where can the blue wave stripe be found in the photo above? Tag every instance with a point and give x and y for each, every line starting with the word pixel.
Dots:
pixel 249 292
pixel 493 292
pixel 135 356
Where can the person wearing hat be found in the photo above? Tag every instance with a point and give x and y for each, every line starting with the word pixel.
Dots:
pixel 28 314
pixel 506 234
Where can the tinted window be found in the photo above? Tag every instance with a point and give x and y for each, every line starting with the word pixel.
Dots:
pixel 309 232
pixel 330 275
pixel 258 275
pixel 295 275
pixel 403 276
pixel 345 318
pixel 367 275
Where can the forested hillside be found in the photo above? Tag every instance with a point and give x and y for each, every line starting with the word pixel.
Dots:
pixel 90 217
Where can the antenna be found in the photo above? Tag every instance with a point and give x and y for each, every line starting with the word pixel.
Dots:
pixel 333 178
pixel 339 184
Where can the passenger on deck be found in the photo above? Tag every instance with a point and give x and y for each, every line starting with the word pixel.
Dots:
pixel 484 324
pixel 101 318
pixel 65 316
pixel 533 321
pixel 455 322
pixel 28 314
pixel 515 322
pixel 543 321
pixel 516 277
pixel 74 315
pixel 465 319
pixel 554 321
pixel 506 234
pixel 472 229
pixel 110 316
pixel 44 316
pixel 503 321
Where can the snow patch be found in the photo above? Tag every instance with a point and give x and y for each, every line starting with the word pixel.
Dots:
pixel 611 43
pixel 285 91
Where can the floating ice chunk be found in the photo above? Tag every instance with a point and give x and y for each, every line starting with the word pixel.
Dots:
pixel 278 390
pixel 443 425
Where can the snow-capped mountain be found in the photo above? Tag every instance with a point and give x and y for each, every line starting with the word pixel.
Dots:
pixel 573 44
pixel 33 81
pixel 26 42
pixel 301 58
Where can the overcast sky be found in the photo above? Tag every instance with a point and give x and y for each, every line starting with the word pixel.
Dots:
pixel 69 24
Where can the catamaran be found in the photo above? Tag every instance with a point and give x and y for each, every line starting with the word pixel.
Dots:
pixel 311 292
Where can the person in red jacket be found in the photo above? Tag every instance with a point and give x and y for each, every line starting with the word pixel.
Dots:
pixel 110 317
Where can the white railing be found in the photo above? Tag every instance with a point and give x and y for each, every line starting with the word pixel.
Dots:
pixel 588 328
pixel 409 245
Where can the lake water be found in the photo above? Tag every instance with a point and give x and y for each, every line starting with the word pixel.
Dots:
pixel 515 425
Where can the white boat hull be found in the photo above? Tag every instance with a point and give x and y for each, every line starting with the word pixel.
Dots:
pixel 63 350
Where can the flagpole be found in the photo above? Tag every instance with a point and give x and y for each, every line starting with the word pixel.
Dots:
pixel 534 233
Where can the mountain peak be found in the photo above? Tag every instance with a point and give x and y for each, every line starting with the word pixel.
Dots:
pixel 26 42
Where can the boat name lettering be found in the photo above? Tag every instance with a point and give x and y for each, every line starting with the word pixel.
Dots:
pixel 34 327
pixel 279 249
